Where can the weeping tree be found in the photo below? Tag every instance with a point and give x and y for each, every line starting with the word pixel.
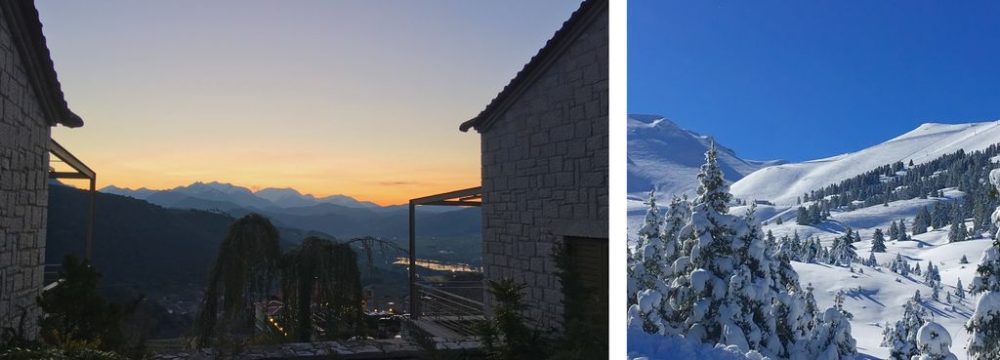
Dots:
pixel 243 275
pixel 322 275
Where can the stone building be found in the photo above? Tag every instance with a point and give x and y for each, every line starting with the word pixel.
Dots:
pixel 544 142
pixel 31 102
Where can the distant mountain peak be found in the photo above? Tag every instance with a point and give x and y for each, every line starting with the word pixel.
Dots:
pixel 234 196
pixel 664 156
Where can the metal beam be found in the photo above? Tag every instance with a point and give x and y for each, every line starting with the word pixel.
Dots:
pixel 451 198
pixel 454 203
pixel 82 172
pixel 448 195
pixel 68 158
pixel 414 312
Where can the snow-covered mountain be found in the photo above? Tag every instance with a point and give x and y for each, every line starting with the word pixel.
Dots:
pixel 661 155
pixel 783 183
pixel 873 294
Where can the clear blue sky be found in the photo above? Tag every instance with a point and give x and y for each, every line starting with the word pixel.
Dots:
pixel 803 80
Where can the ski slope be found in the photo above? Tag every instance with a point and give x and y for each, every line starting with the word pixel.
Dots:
pixel 782 184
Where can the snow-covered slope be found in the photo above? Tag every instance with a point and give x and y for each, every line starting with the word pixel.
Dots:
pixel 783 183
pixel 664 156
pixel 877 295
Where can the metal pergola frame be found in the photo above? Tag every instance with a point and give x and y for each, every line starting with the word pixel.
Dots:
pixel 465 197
pixel 82 172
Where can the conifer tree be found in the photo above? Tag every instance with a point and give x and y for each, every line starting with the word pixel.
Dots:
pixel 933 343
pixel 984 325
pixel 728 289
pixel 648 266
pixel 901 337
pixel 921 221
pixel 878 241
pixel 902 231
pixel 959 290
pixel 871 260
pixel 894 231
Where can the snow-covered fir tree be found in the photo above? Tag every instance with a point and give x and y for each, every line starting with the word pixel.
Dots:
pixel 832 337
pixel 899 265
pixel 964 260
pixel 878 241
pixel 652 269
pixel 728 289
pixel 932 273
pixel 902 231
pixel 958 231
pixel 959 290
pixel 647 267
pixel 933 343
pixel 894 231
pixel 871 261
pixel 901 337
pixel 984 325
pixel 842 253
pixel 921 221
pixel 770 242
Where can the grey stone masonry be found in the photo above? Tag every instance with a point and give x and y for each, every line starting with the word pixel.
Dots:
pixel 545 172
pixel 24 137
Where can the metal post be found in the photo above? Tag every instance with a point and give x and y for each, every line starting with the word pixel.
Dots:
pixel 90 218
pixel 414 311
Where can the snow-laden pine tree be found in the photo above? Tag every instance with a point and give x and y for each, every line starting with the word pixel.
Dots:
pixel 933 343
pixel 984 325
pixel 893 231
pixel 902 231
pixel 677 216
pixel 647 267
pixel 878 241
pixel 899 265
pixel 832 338
pixel 958 231
pixel 729 290
pixel 721 279
pixel 959 290
pixel 652 268
pixel 842 252
pixel 901 337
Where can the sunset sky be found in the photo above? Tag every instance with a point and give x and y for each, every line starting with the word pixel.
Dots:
pixel 354 98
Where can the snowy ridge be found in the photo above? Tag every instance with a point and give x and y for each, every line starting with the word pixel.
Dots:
pixel 661 155
pixel 782 184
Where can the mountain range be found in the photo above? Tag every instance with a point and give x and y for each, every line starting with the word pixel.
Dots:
pixel 229 196
pixel 337 215
pixel 663 156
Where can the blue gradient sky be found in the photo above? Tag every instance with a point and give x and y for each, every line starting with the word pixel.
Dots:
pixel 362 98
pixel 804 80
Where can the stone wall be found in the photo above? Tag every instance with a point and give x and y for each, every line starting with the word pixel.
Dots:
pixel 545 172
pixel 24 157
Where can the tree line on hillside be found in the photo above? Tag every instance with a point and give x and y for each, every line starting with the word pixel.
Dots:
pixel 964 171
